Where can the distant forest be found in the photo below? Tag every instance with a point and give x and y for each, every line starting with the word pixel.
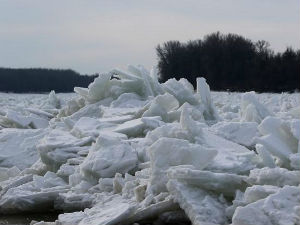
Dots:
pixel 41 80
pixel 231 62
pixel 228 62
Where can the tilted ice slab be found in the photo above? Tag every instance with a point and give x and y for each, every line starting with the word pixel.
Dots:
pixel 216 182
pixel 231 157
pixel 59 146
pixel 243 133
pixel 252 110
pixel 274 176
pixel 89 127
pixel 200 206
pixel 114 209
pixel 33 196
pixel 251 194
pixel 139 127
pixel 280 138
pixel 210 112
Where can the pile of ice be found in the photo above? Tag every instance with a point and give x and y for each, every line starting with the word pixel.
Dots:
pixel 129 149
pixel 32 118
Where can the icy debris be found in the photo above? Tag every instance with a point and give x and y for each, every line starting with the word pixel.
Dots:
pixel 243 133
pixel 72 201
pixel 217 182
pixel 161 106
pixel 71 107
pixel 128 100
pixel 252 110
pixel 41 113
pixel 53 100
pixel 257 192
pixel 91 111
pixel 107 157
pixel 89 127
pixel 28 117
pixel 200 206
pixel 295 161
pixel 210 112
pixel 18 147
pixel 138 127
pixel 252 194
pixel 167 152
pixel 128 149
pixel 59 146
pixel 180 91
pixel 14 182
pixel 152 211
pixel 265 156
pixel 35 196
pixel 137 80
pixel 295 112
pixel 110 210
pixel 274 176
pixel 280 208
pixel 13 119
pixel 231 157
pixel 97 90
pixel 279 138
pixel 6 173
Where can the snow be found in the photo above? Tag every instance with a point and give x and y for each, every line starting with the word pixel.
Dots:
pixel 129 149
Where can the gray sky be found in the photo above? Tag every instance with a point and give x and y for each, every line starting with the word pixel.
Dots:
pixel 95 36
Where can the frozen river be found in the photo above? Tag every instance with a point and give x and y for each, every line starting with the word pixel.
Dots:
pixel 132 150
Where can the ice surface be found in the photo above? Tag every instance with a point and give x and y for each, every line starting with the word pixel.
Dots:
pixel 129 149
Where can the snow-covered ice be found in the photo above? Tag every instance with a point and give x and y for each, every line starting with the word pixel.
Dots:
pixel 129 149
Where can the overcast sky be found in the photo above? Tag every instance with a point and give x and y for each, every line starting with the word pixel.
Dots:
pixel 95 36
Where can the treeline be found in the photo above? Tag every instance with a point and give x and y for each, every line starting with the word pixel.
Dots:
pixel 41 80
pixel 231 62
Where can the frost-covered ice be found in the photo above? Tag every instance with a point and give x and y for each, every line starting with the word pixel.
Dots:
pixel 129 149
